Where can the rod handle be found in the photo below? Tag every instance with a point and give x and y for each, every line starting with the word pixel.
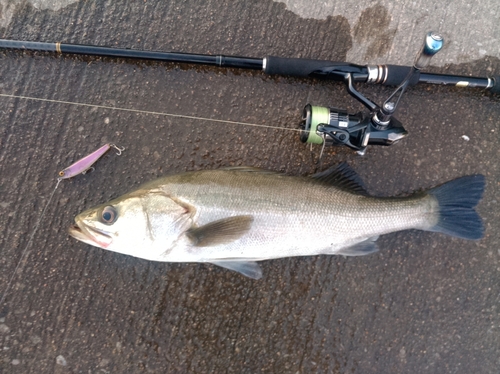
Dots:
pixel 396 74
pixel 299 67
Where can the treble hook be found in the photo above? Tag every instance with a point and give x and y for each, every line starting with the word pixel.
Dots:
pixel 120 150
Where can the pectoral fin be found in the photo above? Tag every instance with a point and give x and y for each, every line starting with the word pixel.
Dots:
pixel 360 249
pixel 249 269
pixel 220 232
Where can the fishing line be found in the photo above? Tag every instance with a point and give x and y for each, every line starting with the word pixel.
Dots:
pixel 25 251
pixel 148 112
pixel 79 167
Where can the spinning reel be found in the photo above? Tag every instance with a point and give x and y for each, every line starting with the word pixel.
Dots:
pixel 332 126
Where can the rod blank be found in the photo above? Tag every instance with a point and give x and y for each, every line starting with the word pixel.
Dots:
pixel 219 60
pixel 388 74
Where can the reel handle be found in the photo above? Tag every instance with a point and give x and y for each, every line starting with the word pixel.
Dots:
pixel 433 43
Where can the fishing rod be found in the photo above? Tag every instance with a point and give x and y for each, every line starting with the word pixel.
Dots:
pixel 319 125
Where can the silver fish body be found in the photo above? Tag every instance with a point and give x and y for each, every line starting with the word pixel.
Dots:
pixel 234 217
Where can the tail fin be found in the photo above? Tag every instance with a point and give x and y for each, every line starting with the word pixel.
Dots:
pixel 457 200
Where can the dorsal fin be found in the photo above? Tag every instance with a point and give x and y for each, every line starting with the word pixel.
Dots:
pixel 343 177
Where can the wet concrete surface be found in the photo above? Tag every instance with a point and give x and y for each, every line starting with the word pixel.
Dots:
pixel 425 303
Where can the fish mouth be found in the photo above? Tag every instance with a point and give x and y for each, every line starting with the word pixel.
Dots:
pixel 90 235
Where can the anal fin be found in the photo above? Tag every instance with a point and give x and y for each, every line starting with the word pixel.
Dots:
pixel 360 249
pixel 249 269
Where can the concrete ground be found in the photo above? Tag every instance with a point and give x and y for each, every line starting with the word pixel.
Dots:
pixel 426 303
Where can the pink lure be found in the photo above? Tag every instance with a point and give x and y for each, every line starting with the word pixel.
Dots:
pixel 85 163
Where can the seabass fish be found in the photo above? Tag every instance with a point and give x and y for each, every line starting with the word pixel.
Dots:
pixel 234 217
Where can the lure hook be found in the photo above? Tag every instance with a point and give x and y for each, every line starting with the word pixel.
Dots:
pixel 119 150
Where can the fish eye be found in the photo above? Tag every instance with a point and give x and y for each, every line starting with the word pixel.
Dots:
pixel 109 215
pixel 61 173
